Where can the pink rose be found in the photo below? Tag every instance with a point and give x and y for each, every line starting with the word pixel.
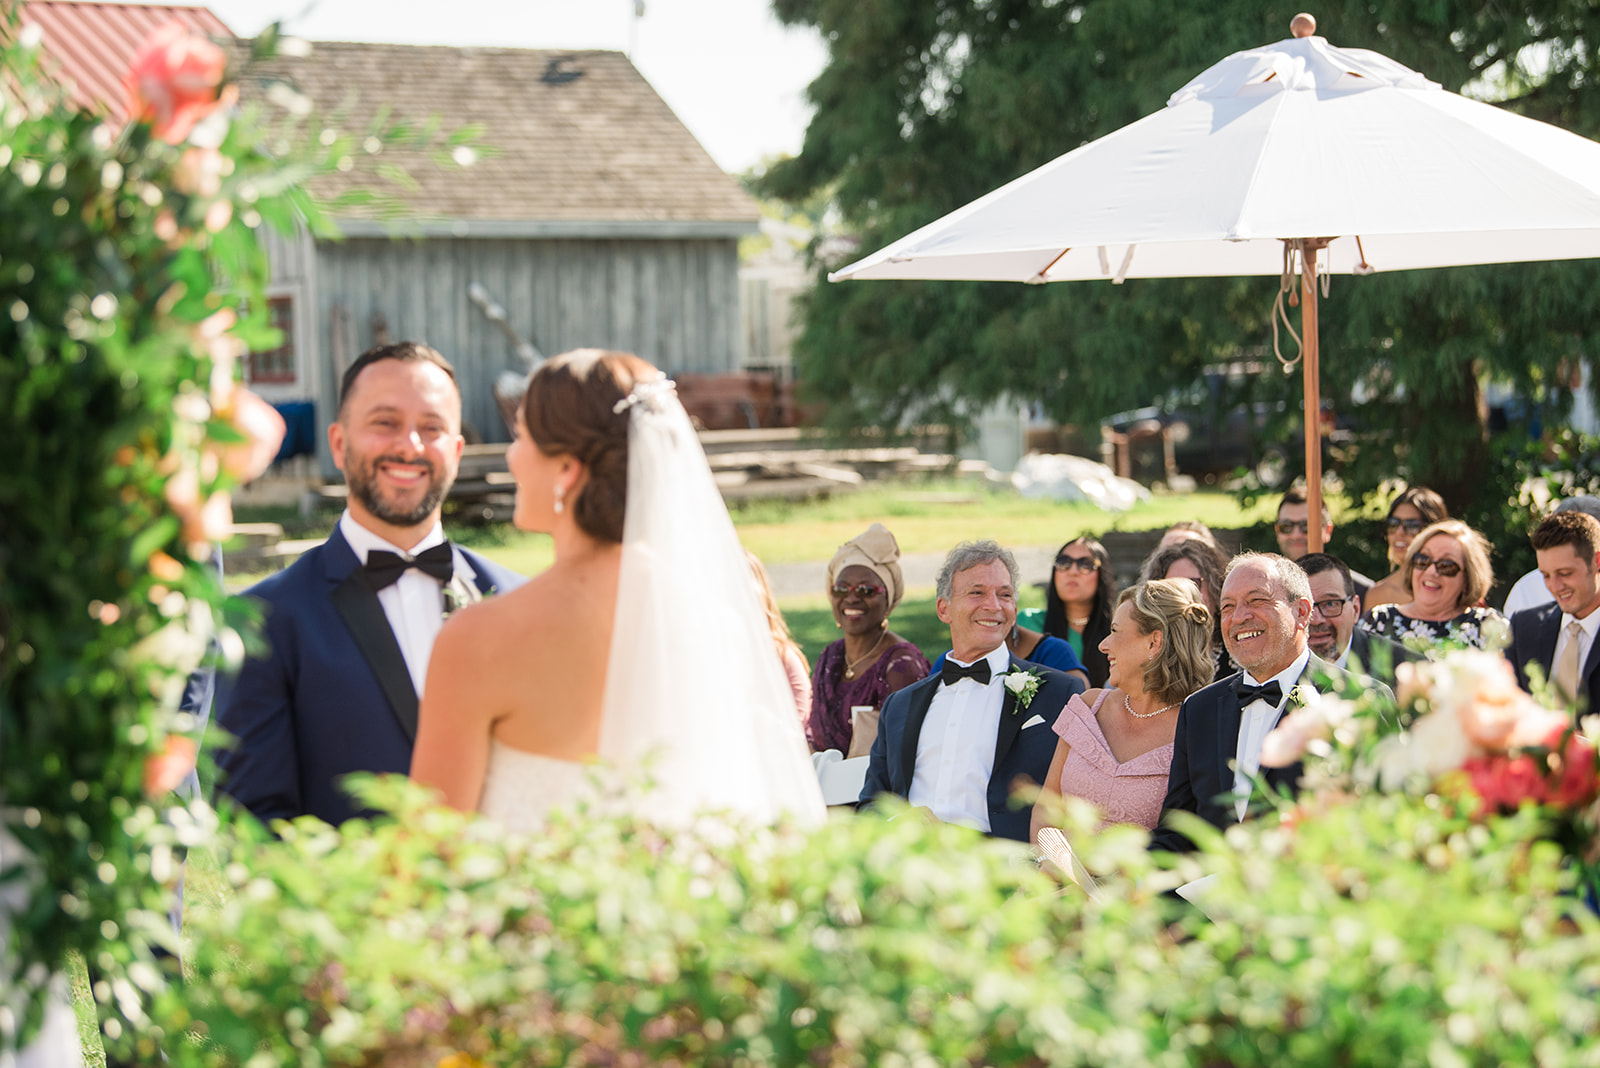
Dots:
pixel 199 172
pixel 1537 727
pixel 263 429
pixel 1287 742
pixel 166 770
pixel 1504 783
pixel 174 81
pixel 1575 781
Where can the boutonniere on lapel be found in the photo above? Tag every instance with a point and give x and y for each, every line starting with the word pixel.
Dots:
pixel 1023 683
pixel 457 595
pixel 1299 697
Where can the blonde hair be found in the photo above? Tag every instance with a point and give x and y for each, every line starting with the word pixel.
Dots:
pixel 1478 574
pixel 1173 607
pixel 782 639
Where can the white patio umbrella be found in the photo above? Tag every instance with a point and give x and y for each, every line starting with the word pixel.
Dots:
pixel 1299 156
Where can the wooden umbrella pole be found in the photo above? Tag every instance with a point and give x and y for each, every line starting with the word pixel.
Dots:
pixel 1312 372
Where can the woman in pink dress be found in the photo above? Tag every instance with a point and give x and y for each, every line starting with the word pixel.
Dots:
pixel 1116 742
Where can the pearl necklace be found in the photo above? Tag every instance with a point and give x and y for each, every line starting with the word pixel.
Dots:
pixel 850 669
pixel 1128 704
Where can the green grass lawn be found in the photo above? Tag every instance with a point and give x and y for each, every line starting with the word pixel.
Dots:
pixel 926 517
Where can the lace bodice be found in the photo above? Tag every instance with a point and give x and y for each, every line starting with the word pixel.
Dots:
pixel 520 788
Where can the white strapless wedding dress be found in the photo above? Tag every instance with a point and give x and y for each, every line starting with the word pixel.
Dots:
pixel 520 788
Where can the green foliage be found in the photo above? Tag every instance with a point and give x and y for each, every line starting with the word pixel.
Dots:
pixel 925 106
pixel 1384 932
pixel 131 279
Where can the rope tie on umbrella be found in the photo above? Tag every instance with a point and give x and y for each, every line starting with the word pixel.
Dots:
pixel 1280 310
pixel 1280 313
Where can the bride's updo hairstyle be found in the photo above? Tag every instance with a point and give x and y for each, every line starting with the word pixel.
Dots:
pixel 569 410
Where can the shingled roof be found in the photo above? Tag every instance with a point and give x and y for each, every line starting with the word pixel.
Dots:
pixel 581 142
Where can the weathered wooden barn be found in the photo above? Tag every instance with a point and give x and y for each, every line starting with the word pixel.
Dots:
pixel 593 217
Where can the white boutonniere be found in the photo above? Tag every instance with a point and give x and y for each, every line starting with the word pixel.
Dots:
pixel 1023 683
pixel 1299 697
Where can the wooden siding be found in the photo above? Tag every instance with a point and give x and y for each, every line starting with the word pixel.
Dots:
pixel 674 302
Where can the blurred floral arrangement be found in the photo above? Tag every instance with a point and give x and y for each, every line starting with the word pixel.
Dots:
pixel 132 284
pixel 1465 732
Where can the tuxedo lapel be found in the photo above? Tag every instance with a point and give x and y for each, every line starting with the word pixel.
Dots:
pixel 1228 720
pixel 358 606
pixel 1010 722
pixel 920 699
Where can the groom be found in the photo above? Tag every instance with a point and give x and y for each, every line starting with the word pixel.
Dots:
pixel 350 625
pixel 958 742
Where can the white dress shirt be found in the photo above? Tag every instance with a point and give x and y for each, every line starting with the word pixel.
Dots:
pixel 955 751
pixel 1256 721
pixel 414 605
pixel 1588 626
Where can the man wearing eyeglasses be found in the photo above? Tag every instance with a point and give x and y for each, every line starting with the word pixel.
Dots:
pixel 1293 528
pixel 1333 634
pixel 1559 637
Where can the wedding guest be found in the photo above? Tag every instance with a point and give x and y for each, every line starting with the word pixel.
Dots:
pixel 871 661
pixel 1529 591
pixel 1115 746
pixel 1183 530
pixel 794 661
pixel 1448 573
pixel 959 743
pixel 1333 634
pixel 350 625
pixel 1413 509
pixel 1079 602
pixel 1216 747
pixel 1294 531
pixel 1203 564
pixel 1559 637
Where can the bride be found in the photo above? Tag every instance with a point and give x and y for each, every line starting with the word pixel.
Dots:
pixel 641 648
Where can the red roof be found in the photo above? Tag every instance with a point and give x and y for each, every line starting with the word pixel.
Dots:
pixel 89 47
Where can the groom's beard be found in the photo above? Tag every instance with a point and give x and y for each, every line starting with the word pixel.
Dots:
pixel 362 479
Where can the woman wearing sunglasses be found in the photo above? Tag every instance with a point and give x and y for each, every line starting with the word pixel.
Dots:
pixel 1415 508
pixel 871 661
pixel 1448 574
pixel 1078 603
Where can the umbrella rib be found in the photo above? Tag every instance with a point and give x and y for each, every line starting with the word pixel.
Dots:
pixel 1043 276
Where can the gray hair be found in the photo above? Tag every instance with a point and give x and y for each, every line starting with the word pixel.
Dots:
pixel 1280 569
pixel 970 554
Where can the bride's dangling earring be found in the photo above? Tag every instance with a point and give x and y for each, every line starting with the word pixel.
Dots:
pixel 561 493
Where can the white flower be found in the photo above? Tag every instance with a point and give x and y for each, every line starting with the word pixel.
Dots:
pixel 1016 681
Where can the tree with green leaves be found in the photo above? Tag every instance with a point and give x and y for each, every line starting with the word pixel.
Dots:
pixel 924 106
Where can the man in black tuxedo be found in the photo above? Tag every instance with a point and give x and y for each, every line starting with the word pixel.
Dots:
pixel 1333 634
pixel 1559 637
pixel 959 742
pixel 1265 609
pixel 350 625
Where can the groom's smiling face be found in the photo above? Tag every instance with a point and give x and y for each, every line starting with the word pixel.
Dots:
pixel 398 442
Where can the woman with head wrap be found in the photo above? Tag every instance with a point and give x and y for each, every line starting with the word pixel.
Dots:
pixel 871 661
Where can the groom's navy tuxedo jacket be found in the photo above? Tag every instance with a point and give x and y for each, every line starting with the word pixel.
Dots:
pixel 1020 751
pixel 1205 745
pixel 1533 641
pixel 330 696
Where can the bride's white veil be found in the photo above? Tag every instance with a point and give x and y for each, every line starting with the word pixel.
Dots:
pixel 695 688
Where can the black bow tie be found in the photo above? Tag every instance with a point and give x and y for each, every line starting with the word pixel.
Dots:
pixel 1271 693
pixel 384 568
pixel 953 672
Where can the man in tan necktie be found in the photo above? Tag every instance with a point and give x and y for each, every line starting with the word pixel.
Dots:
pixel 1560 637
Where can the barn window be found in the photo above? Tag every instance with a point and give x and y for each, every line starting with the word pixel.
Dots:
pixel 277 365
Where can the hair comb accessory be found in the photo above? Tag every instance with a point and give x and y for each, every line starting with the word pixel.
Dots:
pixel 648 392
